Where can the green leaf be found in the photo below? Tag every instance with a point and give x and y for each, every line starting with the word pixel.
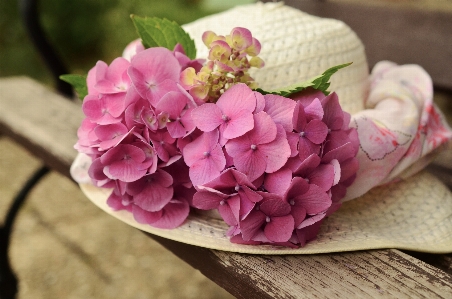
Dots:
pixel 78 82
pixel 320 82
pixel 156 32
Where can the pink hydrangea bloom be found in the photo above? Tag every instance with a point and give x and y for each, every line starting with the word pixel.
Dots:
pixel 168 133
pixel 154 72
pixel 263 149
pixel 205 158
pixel 272 215
pixel 233 113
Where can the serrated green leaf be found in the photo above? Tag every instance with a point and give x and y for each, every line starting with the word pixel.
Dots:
pixel 320 82
pixel 78 82
pixel 156 32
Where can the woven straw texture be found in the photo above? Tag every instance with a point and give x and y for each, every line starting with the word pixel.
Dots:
pixel 413 215
pixel 295 47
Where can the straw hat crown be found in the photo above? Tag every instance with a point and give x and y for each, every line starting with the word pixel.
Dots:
pixel 295 47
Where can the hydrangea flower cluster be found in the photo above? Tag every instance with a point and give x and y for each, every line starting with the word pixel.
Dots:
pixel 274 167
pixel 227 65
pixel 168 133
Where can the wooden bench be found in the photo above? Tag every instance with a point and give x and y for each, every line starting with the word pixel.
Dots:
pixel 389 273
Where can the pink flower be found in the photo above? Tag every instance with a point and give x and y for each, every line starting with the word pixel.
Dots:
pixel 124 162
pixel 205 158
pixel 306 199
pixel 334 117
pixel 280 109
pixel 176 104
pixel 233 113
pixel 322 175
pixel 173 214
pixel 152 192
pixel 163 144
pixel 228 205
pixel 113 78
pixel 86 138
pixel 272 215
pixel 111 135
pixel 234 182
pixel 154 72
pixel 310 128
pixel 104 109
pixel 263 149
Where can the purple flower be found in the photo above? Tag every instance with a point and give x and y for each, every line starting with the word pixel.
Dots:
pixel 233 113
pixel 272 215
pixel 124 162
pixel 176 104
pixel 306 199
pixel 152 192
pixel 263 149
pixel 310 128
pixel 154 72
pixel 113 78
pixel 205 158
pixel 228 205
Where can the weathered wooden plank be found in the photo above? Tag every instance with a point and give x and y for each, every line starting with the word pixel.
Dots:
pixel 401 33
pixel 371 274
pixel 40 120
pixel 45 123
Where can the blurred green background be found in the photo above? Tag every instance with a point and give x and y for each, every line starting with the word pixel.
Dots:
pixel 84 31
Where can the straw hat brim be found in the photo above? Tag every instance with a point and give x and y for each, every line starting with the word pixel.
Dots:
pixel 413 215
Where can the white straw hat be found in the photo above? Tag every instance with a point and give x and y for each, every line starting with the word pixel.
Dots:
pixel 415 214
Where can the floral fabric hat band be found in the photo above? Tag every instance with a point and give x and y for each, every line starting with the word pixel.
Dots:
pixel 238 141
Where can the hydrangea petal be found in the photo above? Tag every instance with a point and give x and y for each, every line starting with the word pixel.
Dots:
pixel 154 72
pixel 230 210
pixel 275 207
pixel 316 131
pixel 207 117
pixel 298 214
pixel 281 110
pixel 264 130
pixel 155 195
pixel 298 186
pixel 279 181
pixel 277 152
pixel 323 176
pixel 251 224
pixel 145 217
pixel 239 124
pixel 237 98
pixel 208 200
pixel 311 220
pixel 315 200
pixel 196 150
pixel 334 116
pixel 314 110
pixel 279 229
pixel 173 215
pixel 251 163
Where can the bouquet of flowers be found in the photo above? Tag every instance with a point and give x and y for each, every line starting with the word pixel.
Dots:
pixel 169 133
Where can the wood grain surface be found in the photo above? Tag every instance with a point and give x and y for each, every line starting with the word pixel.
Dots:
pixel 42 121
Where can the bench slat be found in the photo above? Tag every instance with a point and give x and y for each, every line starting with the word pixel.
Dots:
pixel 46 124
pixel 40 120
pixel 369 274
